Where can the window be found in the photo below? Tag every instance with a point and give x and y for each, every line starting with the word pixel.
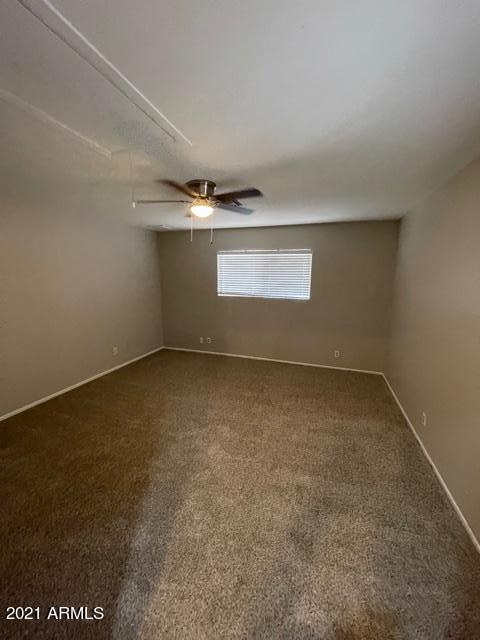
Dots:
pixel 265 274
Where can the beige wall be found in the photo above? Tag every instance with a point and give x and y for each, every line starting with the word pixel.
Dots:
pixel 352 275
pixel 434 363
pixel 73 283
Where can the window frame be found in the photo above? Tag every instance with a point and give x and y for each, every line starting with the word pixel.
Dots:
pixel 262 296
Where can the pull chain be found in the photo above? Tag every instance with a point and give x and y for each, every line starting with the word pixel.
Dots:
pixel 191 227
pixel 211 231
pixel 132 188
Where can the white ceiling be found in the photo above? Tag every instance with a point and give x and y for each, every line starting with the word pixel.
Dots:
pixel 335 109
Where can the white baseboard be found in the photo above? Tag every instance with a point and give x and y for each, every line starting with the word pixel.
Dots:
pixel 77 384
pixel 442 482
pixel 303 364
pixel 457 509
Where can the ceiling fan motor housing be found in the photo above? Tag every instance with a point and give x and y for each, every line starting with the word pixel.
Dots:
pixel 204 198
pixel 202 188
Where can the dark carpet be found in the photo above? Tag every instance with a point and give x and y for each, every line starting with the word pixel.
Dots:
pixel 203 497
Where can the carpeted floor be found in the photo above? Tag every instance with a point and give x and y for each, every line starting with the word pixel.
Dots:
pixel 203 497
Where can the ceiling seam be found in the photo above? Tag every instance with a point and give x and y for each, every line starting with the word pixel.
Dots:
pixel 113 75
pixel 43 116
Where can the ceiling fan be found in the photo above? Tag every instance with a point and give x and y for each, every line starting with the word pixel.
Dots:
pixel 203 199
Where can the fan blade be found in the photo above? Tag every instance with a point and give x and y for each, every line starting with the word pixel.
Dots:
pixel 233 196
pixel 235 208
pixel 159 201
pixel 179 187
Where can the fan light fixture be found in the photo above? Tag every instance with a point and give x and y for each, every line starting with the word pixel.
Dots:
pixel 201 208
pixel 202 199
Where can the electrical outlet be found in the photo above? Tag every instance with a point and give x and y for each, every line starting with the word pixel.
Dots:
pixel 337 353
pixel 201 339
pixel 115 350
pixel 209 340
pixel 424 419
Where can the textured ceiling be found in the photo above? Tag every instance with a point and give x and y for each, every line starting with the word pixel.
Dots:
pixel 336 110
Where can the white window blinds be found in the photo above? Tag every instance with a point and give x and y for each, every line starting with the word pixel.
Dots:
pixel 265 274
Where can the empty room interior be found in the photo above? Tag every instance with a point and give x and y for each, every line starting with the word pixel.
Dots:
pixel 240 320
